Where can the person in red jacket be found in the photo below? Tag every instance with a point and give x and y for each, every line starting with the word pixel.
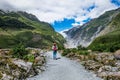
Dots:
pixel 54 48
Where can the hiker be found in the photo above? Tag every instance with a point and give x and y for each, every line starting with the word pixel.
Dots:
pixel 54 48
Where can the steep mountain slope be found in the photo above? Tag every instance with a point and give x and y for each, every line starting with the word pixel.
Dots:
pixel 16 27
pixel 84 35
pixel 110 40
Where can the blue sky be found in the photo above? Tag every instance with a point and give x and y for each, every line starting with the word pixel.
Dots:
pixel 116 2
pixel 67 23
pixel 62 25
pixel 62 14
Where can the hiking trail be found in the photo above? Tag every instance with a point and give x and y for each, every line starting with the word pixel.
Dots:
pixel 64 69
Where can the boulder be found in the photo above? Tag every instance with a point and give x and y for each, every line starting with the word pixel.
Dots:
pixel 39 60
pixel 117 55
pixel 22 64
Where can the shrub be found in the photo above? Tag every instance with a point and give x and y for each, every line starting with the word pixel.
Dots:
pixel 74 50
pixel 19 51
pixel 66 51
pixel 30 57
pixel 81 48
pixel 83 52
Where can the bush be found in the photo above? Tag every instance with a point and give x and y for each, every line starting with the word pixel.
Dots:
pixel 30 57
pixel 19 51
pixel 66 51
pixel 74 50
pixel 81 48
pixel 83 52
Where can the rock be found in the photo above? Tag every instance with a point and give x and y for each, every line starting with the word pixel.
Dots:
pixel 115 69
pixel 109 62
pixel 89 51
pixel 15 72
pixel 6 77
pixel 117 55
pixel 92 56
pixel 109 75
pixel 39 60
pixel 117 63
pixel 105 68
pixel 2 52
pixel 70 55
pixel 92 65
pixel 78 60
pixel 116 74
pixel 22 64
pixel 82 57
pixel 102 74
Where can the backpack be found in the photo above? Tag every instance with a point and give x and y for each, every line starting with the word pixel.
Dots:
pixel 55 48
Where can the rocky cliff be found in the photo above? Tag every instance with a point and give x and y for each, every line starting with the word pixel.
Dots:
pixel 84 35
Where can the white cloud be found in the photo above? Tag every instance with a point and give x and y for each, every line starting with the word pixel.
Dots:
pixel 75 24
pixel 63 33
pixel 101 7
pixel 57 10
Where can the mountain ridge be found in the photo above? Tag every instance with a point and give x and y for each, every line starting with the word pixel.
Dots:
pixel 14 27
pixel 86 34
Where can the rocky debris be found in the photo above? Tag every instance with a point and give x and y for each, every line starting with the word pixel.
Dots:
pixel 39 60
pixel 6 77
pixel 4 52
pixel 18 69
pixel 22 64
pixel 92 65
pixel 38 66
pixel 110 75
pixel 104 65
pixel 117 54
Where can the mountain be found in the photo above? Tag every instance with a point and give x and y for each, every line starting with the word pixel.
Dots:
pixel 109 39
pixel 17 27
pixel 86 34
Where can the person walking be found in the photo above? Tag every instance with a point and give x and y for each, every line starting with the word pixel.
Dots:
pixel 54 48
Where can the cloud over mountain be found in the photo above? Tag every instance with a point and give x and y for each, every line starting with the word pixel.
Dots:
pixel 57 10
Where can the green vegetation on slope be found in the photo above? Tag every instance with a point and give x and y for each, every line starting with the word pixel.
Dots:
pixel 116 22
pixel 92 29
pixel 16 27
pixel 111 41
pixel 102 21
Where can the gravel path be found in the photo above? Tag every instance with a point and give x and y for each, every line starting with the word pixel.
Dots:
pixel 64 69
